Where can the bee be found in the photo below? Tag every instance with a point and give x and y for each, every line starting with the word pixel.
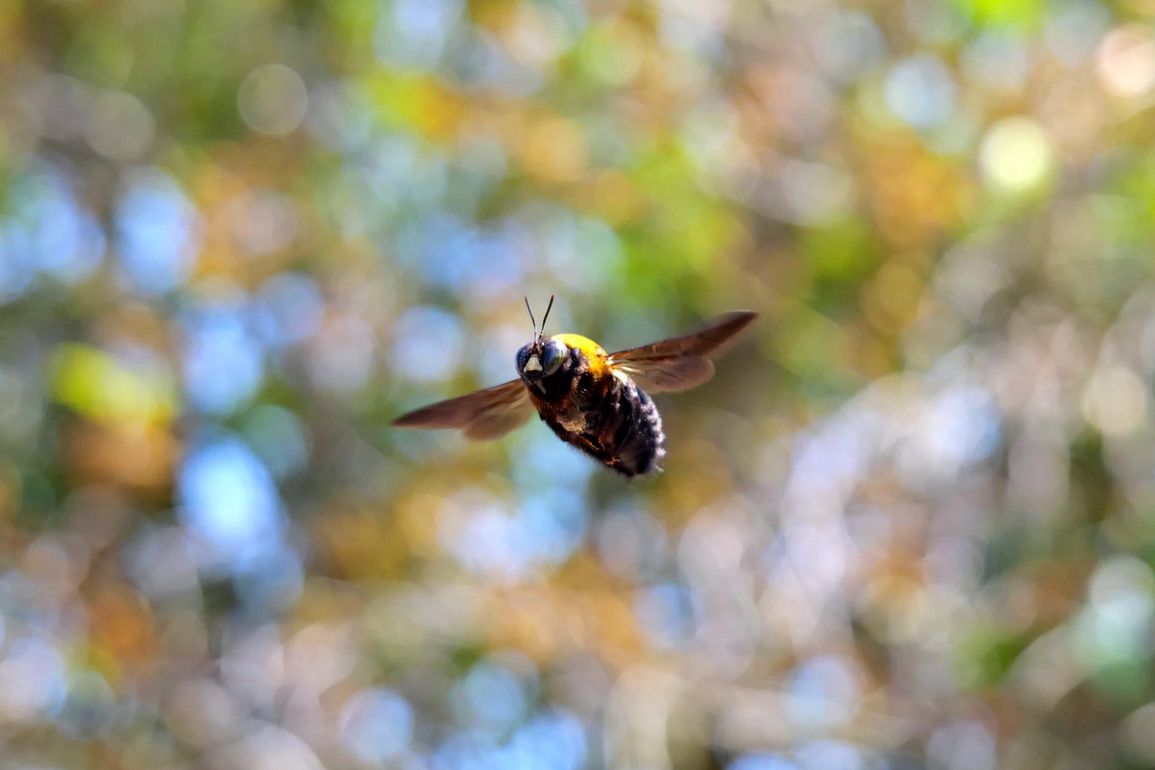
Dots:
pixel 599 402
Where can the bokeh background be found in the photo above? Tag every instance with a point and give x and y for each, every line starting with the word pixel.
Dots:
pixel 911 524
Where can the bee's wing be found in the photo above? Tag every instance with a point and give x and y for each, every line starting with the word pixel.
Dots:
pixel 483 414
pixel 680 363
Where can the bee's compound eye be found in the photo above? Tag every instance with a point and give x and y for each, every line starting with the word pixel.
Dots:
pixel 552 356
pixel 522 358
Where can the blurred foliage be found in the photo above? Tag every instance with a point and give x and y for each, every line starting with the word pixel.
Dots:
pixel 911 524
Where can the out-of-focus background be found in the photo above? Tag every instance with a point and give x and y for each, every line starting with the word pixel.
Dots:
pixel 911 524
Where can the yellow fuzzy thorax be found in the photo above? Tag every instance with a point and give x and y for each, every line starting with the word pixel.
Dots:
pixel 593 352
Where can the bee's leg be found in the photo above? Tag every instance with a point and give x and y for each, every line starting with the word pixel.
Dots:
pixel 589 444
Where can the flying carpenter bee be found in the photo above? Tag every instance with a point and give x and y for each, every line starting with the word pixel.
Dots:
pixel 599 402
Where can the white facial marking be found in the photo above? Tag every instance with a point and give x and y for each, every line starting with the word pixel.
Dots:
pixel 533 365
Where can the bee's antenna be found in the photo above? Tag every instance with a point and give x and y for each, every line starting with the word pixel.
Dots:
pixel 545 317
pixel 531 318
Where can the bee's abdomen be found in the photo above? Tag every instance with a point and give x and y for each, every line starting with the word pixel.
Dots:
pixel 632 431
pixel 605 415
pixel 623 430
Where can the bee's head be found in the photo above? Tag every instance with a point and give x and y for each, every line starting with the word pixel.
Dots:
pixel 541 357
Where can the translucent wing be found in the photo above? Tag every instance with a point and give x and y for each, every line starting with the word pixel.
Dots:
pixel 680 363
pixel 664 376
pixel 483 414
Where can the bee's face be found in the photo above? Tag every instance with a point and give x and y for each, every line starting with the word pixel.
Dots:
pixel 541 358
